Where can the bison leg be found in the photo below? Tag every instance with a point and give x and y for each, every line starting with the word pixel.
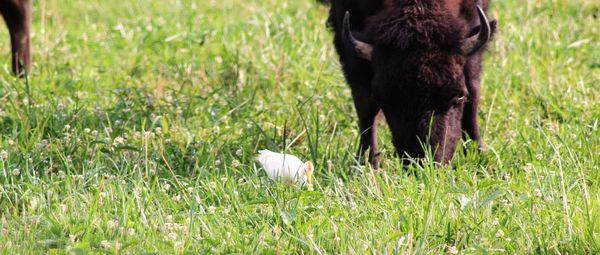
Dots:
pixel 367 111
pixel 470 123
pixel 358 74
pixel 17 15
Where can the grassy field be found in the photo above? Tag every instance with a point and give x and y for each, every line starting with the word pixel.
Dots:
pixel 137 131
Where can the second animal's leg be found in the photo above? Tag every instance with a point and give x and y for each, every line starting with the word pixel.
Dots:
pixel 17 15
pixel 470 123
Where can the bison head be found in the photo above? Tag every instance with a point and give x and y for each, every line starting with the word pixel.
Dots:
pixel 418 56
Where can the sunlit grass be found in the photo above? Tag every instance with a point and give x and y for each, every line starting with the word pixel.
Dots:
pixel 137 131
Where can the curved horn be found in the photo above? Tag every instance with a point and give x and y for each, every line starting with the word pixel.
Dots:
pixel 476 42
pixel 362 49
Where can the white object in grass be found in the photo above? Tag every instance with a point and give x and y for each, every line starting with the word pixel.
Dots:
pixel 285 167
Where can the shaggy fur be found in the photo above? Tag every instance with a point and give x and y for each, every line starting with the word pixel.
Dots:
pixel 17 15
pixel 426 89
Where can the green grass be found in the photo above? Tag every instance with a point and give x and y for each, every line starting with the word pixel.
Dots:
pixel 137 131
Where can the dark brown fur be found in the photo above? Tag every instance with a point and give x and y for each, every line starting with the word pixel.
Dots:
pixel 427 91
pixel 17 15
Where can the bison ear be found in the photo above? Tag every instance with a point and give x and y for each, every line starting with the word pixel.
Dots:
pixel 479 35
pixel 362 49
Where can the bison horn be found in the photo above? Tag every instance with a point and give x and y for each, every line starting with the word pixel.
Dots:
pixel 476 42
pixel 362 49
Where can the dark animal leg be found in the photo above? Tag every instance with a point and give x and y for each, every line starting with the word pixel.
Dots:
pixel 17 15
pixel 367 111
pixel 470 124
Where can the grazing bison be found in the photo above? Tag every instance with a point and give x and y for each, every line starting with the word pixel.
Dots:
pixel 417 61
pixel 17 15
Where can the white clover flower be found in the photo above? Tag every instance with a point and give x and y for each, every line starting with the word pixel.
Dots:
pixel 131 231
pixel 495 222
pixel 177 198
pixel 172 236
pixel 67 127
pixel 87 130
pixel 169 226
pixel 499 233
pixel 549 199
pixel 119 140
pixel 239 152
pixel 16 172
pixel 212 209
pixel 112 225
pixel 451 250
pixel 105 244
pixel 148 135
pixel 166 187
pixel 3 155
pixel 137 194
pixel 103 194
pixel 158 130
pixel 537 193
